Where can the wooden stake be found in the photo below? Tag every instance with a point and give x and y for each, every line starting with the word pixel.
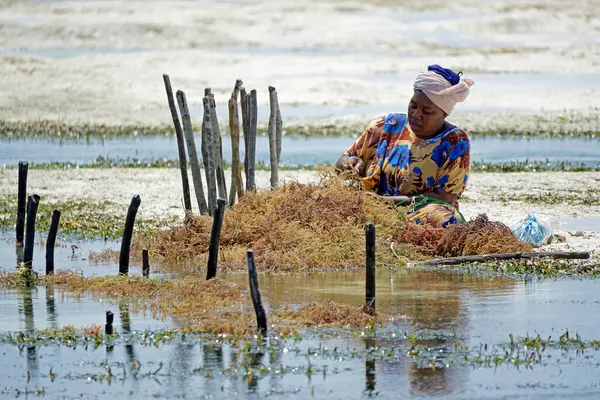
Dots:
pixel 245 106
pixel 145 264
pixel 211 153
pixel 108 327
pixel 21 199
pixel 180 146
pixel 191 146
pixel 127 234
pixel 279 132
pixel 33 202
pixel 221 184
pixel 236 174
pixel 236 88
pixel 251 149
pixel 51 242
pixel 567 255
pixel 274 159
pixel 370 269
pixel 215 237
pixel 261 317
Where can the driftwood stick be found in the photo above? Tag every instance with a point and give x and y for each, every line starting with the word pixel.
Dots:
pixel 236 173
pixel 127 234
pixel 21 202
pixel 251 149
pixel 51 242
pixel 236 88
pixel 566 255
pixel 274 159
pixel 245 105
pixel 261 316
pixel 211 153
pixel 370 269
pixel 215 237
pixel 221 184
pixel 180 145
pixel 191 145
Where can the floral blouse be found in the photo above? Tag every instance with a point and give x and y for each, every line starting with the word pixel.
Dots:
pixel 397 162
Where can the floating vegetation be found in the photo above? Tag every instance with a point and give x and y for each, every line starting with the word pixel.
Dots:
pixel 555 124
pixel 525 267
pixel 534 166
pixel 106 255
pixel 82 218
pixel 586 197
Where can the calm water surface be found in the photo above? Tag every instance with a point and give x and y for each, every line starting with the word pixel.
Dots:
pixel 443 309
pixel 295 151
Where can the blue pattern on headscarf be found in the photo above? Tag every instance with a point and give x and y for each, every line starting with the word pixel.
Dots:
pixel 458 150
pixel 430 182
pixel 394 123
pixel 381 149
pixel 400 156
pixel 440 153
pixel 447 73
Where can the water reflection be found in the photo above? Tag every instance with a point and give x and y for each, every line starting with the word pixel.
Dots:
pixel 26 311
pixel 370 383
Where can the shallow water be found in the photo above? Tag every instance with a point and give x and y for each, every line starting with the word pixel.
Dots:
pixel 442 309
pixel 296 151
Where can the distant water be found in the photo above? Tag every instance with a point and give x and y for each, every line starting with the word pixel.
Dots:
pixel 296 150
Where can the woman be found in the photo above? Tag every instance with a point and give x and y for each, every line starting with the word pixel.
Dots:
pixel 418 158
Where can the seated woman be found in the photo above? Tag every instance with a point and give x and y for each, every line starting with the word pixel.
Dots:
pixel 418 159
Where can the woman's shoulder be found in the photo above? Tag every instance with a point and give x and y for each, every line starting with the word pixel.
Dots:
pixel 456 134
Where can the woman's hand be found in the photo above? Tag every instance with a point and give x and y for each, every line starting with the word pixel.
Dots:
pixel 351 163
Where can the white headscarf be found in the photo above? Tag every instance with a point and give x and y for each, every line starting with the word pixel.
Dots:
pixel 441 92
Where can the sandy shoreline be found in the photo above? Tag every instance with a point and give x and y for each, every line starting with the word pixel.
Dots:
pixel 101 62
pixel 160 190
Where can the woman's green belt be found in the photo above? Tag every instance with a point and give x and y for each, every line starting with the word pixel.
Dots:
pixel 419 201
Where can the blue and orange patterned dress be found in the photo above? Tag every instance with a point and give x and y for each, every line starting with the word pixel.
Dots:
pixel 398 163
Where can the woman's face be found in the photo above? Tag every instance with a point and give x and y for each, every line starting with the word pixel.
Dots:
pixel 425 118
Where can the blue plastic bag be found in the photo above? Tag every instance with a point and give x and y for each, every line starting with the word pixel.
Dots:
pixel 532 230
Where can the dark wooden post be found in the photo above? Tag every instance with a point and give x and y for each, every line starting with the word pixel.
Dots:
pixel 215 237
pixel 261 317
pixel 237 185
pixel 127 234
pixel 180 145
pixel 33 203
pixel 51 242
pixel 21 198
pixel 251 149
pixel 191 145
pixel 145 263
pixel 370 267
pixel 274 158
pixel 108 328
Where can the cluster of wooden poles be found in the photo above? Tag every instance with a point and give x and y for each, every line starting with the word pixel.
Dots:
pixel 212 146
pixel 25 229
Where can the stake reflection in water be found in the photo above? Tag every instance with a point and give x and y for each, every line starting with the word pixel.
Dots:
pixel 26 310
